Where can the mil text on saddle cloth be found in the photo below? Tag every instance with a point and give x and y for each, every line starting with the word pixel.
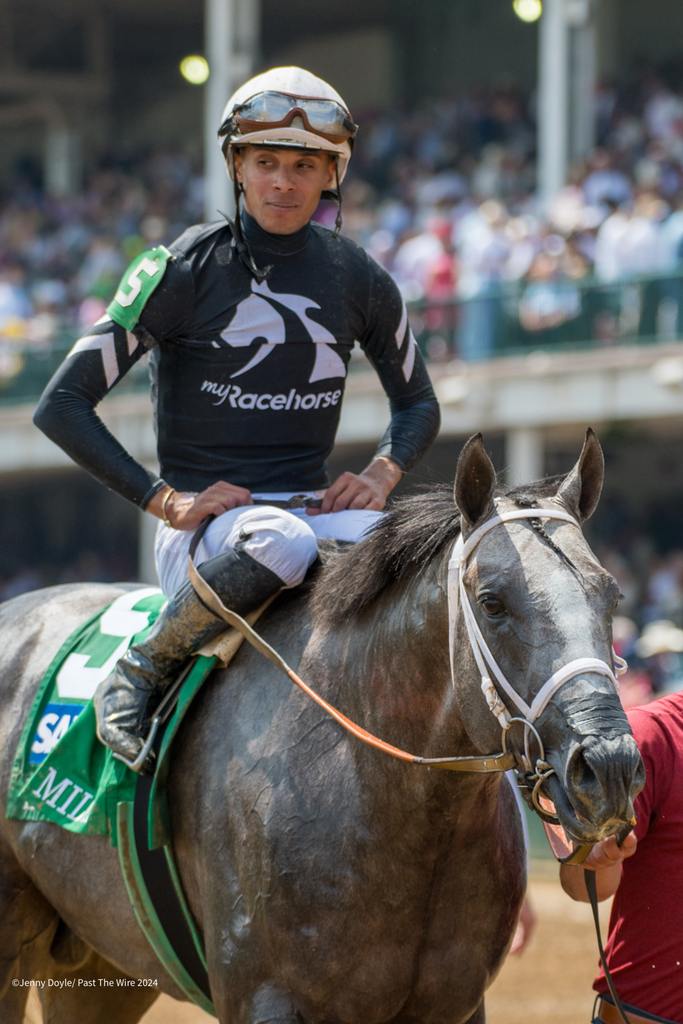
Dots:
pixel 61 772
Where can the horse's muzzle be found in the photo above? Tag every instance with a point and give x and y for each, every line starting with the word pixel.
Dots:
pixel 602 777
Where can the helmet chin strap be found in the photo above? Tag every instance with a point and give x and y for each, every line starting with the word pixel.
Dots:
pixel 338 218
pixel 239 242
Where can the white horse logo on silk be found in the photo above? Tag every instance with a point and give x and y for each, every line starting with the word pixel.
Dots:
pixel 256 317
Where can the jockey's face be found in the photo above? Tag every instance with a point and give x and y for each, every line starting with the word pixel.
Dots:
pixel 282 186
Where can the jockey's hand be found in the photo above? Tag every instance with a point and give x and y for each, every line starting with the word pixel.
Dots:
pixel 367 490
pixel 186 511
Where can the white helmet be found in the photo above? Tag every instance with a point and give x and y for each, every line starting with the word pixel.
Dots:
pixel 288 107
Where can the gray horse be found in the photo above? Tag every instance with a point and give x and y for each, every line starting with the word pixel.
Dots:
pixel 334 885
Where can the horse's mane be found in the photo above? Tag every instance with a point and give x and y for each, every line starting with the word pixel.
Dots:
pixel 416 530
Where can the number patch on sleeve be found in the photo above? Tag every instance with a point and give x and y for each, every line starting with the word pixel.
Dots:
pixel 138 283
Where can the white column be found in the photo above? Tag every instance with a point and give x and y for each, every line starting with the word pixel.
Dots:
pixel 248 32
pixel 523 455
pixel 146 532
pixel 583 81
pixel 553 95
pixel 231 33
pixel 219 31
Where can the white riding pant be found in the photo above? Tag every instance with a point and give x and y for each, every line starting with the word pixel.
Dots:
pixel 285 541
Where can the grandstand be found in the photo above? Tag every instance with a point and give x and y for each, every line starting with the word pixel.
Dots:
pixel 542 304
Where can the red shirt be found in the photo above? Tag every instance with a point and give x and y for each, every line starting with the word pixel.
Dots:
pixel 645 944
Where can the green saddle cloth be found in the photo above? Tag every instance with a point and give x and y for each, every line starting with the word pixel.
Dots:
pixel 61 772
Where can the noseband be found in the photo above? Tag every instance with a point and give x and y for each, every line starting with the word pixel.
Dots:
pixel 493 679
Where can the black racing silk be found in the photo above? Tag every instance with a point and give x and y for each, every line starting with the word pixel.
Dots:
pixel 247 378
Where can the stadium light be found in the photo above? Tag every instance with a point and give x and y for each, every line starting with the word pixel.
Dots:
pixel 528 10
pixel 194 69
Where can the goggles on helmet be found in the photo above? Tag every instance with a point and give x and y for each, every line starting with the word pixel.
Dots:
pixel 270 109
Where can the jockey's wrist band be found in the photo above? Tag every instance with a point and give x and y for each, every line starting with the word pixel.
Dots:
pixel 391 464
pixel 154 489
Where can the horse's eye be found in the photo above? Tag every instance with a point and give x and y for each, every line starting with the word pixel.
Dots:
pixel 493 606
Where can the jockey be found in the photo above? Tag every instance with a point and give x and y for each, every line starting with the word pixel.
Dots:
pixel 250 325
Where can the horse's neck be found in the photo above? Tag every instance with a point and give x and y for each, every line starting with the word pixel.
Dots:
pixel 388 669
pixel 391 669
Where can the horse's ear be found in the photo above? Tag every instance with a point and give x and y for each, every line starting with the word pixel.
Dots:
pixel 581 488
pixel 475 482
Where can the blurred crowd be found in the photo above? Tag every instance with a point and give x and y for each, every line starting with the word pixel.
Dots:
pixel 446 200
pixel 61 258
pixel 648 630
pixel 444 196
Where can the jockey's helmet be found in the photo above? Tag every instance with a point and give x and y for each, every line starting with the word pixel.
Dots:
pixel 290 107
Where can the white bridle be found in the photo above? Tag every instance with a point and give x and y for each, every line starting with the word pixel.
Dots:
pixel 486 663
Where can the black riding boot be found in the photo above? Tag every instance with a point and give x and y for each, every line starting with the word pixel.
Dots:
pixel 125 700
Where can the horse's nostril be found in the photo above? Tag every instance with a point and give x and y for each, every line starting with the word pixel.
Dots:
pixel 580 774
pixel 603 776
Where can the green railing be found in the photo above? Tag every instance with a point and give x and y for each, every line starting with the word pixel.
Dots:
pixel 550 315
pixel 502 320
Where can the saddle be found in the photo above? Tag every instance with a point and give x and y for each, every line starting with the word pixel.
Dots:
pixel 61 772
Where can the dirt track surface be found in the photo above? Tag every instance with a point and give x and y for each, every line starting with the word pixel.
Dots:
pixel 550 982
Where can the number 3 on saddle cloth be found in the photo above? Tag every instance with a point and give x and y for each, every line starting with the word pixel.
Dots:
pixel 61 771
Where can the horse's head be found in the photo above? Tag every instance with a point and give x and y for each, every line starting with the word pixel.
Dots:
pixel 531 613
